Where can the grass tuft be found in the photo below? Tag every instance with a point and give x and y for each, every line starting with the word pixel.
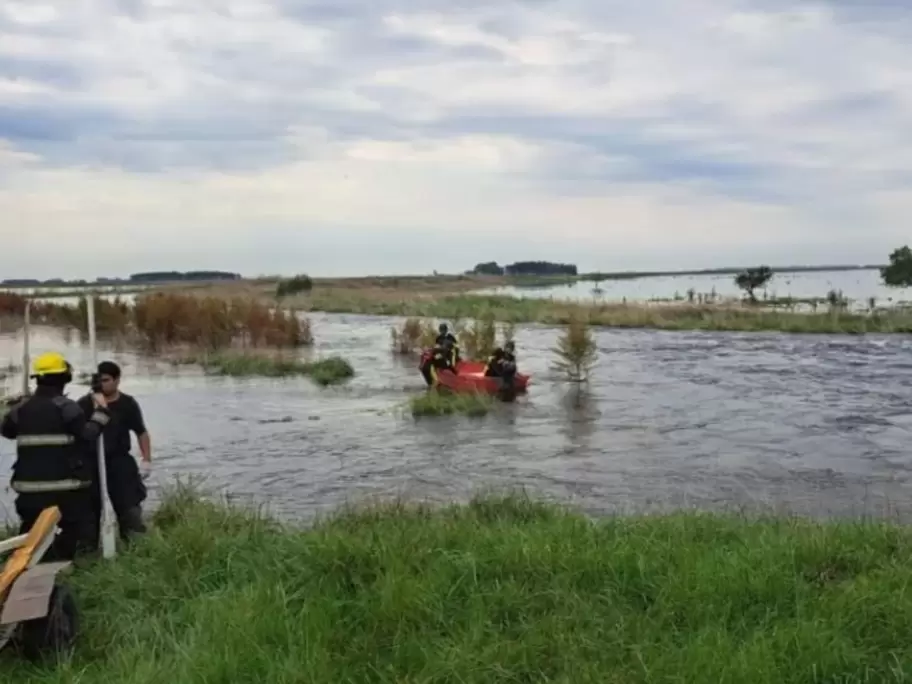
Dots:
pixel 271 363
pixel 330 371
pixel 504 589
pixel 436 403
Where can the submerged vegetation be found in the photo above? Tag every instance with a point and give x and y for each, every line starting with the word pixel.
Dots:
pixel 503 589
pixel 239 363
pixel 442 403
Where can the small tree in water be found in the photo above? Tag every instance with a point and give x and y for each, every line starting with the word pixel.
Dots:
pixel 753 278
pixel 576 351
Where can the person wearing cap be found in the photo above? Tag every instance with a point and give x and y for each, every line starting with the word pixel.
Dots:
pixel 54 465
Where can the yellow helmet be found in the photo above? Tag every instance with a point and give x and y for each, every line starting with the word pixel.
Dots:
pixel 50 363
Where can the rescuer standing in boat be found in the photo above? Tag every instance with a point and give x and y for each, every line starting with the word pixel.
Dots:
pixel 447 339
pixel 52 465
pixel 125 482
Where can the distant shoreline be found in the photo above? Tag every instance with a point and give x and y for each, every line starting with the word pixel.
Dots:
pixel 728 270
pixel 140 285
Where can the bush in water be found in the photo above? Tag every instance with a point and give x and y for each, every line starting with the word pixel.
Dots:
pixel 576 350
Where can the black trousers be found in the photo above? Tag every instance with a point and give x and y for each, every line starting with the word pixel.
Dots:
pixel 78 523
pixel 127 492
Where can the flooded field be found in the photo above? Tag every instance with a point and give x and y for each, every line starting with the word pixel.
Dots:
pixel 808 424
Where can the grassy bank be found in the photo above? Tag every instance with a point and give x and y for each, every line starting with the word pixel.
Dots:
pixel 501 590
pixel 329 371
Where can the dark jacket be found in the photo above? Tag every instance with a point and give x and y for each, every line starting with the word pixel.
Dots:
pixel 442 338
pixel 125 485
pixel 52 433
pixel 497 360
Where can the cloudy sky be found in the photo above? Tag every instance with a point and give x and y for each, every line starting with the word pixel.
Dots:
pixel 382 136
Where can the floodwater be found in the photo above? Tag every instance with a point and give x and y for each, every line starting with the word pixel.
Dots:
pixel 814 425
pixel 859 286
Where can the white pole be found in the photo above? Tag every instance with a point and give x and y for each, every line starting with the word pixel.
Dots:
pixel 26 360
pixel 108 536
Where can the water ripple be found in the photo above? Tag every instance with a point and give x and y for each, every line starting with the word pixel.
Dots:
pixel 802 423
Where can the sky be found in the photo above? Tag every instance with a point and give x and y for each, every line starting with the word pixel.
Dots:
pixel 354 137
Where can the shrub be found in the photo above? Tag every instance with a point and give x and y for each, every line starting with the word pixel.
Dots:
pixel 293 286
pixel 576 350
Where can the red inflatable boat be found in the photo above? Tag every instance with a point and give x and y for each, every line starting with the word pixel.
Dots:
pixel 470 377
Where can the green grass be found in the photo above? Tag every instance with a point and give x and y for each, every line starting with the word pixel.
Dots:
pixel 683 316
pixel 500 590
pixel 436 403
pixel 328 371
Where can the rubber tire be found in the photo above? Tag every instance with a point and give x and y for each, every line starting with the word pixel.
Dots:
pixel 55 634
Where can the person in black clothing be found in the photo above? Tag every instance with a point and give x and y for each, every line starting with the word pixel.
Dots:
pixel 502 363
pixel 439 359
pixel 444 334
pixel 125 483
pixel 447 339
pixel 53 436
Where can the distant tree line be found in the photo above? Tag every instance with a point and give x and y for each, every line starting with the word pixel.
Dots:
pixel 136 278
pixel 521 268
pixel 171 276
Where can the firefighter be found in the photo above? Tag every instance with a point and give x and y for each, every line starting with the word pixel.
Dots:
pixel 502 363
pixel 54 451
pixel 436 360
pixel 447 339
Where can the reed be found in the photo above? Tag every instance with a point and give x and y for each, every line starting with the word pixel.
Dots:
pixel 167 319
pixel 412 336
pixel 12 304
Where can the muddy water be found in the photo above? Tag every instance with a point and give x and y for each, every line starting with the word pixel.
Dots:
pixel 809 424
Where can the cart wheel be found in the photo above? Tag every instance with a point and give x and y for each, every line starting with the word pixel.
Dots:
pixel 55 633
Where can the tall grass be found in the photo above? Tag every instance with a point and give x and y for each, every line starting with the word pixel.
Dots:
pixel 165 319
pixel 478 337
pixel 501 590
pixel 413 335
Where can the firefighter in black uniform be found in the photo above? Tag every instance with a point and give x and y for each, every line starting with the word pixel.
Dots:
pixel 438 359
pixel 447 339
pixel 54 452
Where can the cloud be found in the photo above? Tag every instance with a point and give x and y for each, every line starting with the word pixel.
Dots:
pixel 382 136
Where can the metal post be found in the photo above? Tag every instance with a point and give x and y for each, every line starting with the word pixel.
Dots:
pixel 108 535
pixel 26 353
